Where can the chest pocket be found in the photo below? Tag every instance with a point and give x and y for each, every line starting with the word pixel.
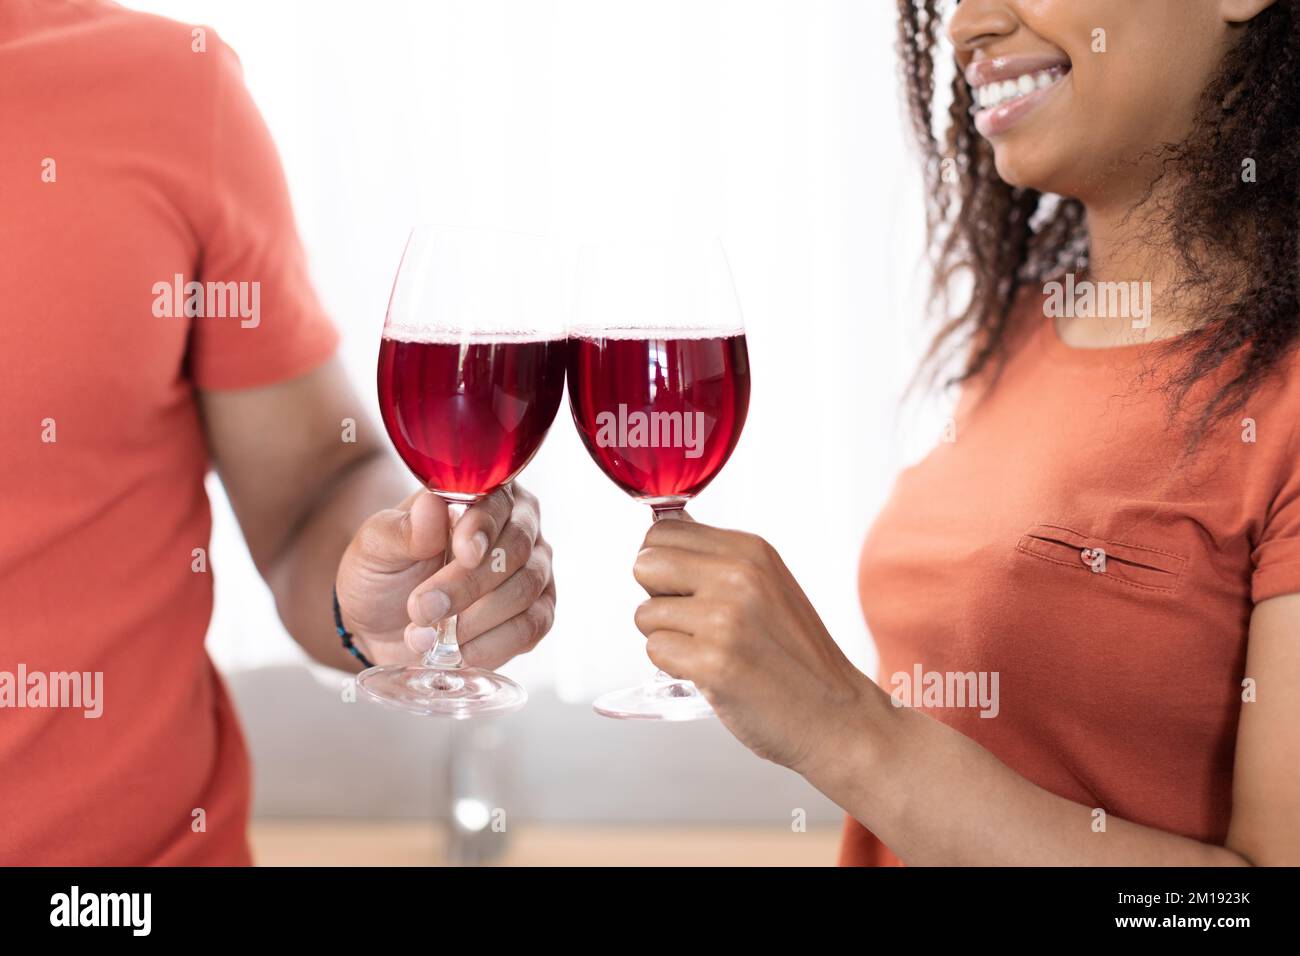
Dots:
pixel 1128 564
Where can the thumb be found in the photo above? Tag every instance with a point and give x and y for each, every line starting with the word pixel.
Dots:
pixel 397 538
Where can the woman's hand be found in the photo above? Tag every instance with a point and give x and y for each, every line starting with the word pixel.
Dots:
pixel 393 585
pixel 725 613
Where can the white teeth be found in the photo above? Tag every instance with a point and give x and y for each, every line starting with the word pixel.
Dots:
pixel 995 94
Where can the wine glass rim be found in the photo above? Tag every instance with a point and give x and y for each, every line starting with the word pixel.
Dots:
pixel 437 261
pixel 703 249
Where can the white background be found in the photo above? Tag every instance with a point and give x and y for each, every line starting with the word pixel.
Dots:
pixel 776 124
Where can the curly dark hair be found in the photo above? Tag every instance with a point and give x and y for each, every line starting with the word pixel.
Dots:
pixel 1237 253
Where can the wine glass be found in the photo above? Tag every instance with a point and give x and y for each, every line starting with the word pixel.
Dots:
pixel 471 372
pixel 659 389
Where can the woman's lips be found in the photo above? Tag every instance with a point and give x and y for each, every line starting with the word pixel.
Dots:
pixel 998 68
pixel 997 120
pixel 1008 88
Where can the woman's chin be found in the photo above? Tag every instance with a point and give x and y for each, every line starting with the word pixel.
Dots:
pixel 1028 169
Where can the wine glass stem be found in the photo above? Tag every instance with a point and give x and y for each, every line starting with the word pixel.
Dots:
pixel 675 510
pixel 445 653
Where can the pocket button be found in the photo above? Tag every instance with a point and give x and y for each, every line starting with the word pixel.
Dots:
pixel 1094 558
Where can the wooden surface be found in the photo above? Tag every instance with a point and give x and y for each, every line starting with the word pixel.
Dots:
pixel 350 843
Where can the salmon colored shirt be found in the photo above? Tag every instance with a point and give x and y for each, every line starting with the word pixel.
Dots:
pixel 1119 683
pixel 128 157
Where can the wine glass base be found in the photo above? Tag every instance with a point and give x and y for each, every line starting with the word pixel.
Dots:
pixel 659 699
pixel 438 692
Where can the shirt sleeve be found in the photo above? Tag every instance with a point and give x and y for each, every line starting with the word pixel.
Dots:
pixel 1277 555
pixel 262 321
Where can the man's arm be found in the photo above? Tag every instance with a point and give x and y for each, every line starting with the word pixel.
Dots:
pixel 299 491
pixel 316 509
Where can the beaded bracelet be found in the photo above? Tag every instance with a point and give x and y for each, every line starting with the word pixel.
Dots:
pixel 345 637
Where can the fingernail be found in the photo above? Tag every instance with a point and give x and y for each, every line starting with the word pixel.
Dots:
pixel 479 546
pixel 434 605
pixel 421 639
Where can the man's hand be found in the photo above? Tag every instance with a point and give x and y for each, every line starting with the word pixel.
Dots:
pixel 301 490
pixel 394 582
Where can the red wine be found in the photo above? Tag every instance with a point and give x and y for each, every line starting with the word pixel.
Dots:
pixel 660 414
pixel 466 417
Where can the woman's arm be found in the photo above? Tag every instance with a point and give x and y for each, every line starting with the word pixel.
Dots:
pixel 726 613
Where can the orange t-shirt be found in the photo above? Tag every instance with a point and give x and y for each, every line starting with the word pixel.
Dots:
pixel 131 155
pixel 1119 676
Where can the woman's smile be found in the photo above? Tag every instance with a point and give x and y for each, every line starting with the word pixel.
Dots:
pixel 1006 89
